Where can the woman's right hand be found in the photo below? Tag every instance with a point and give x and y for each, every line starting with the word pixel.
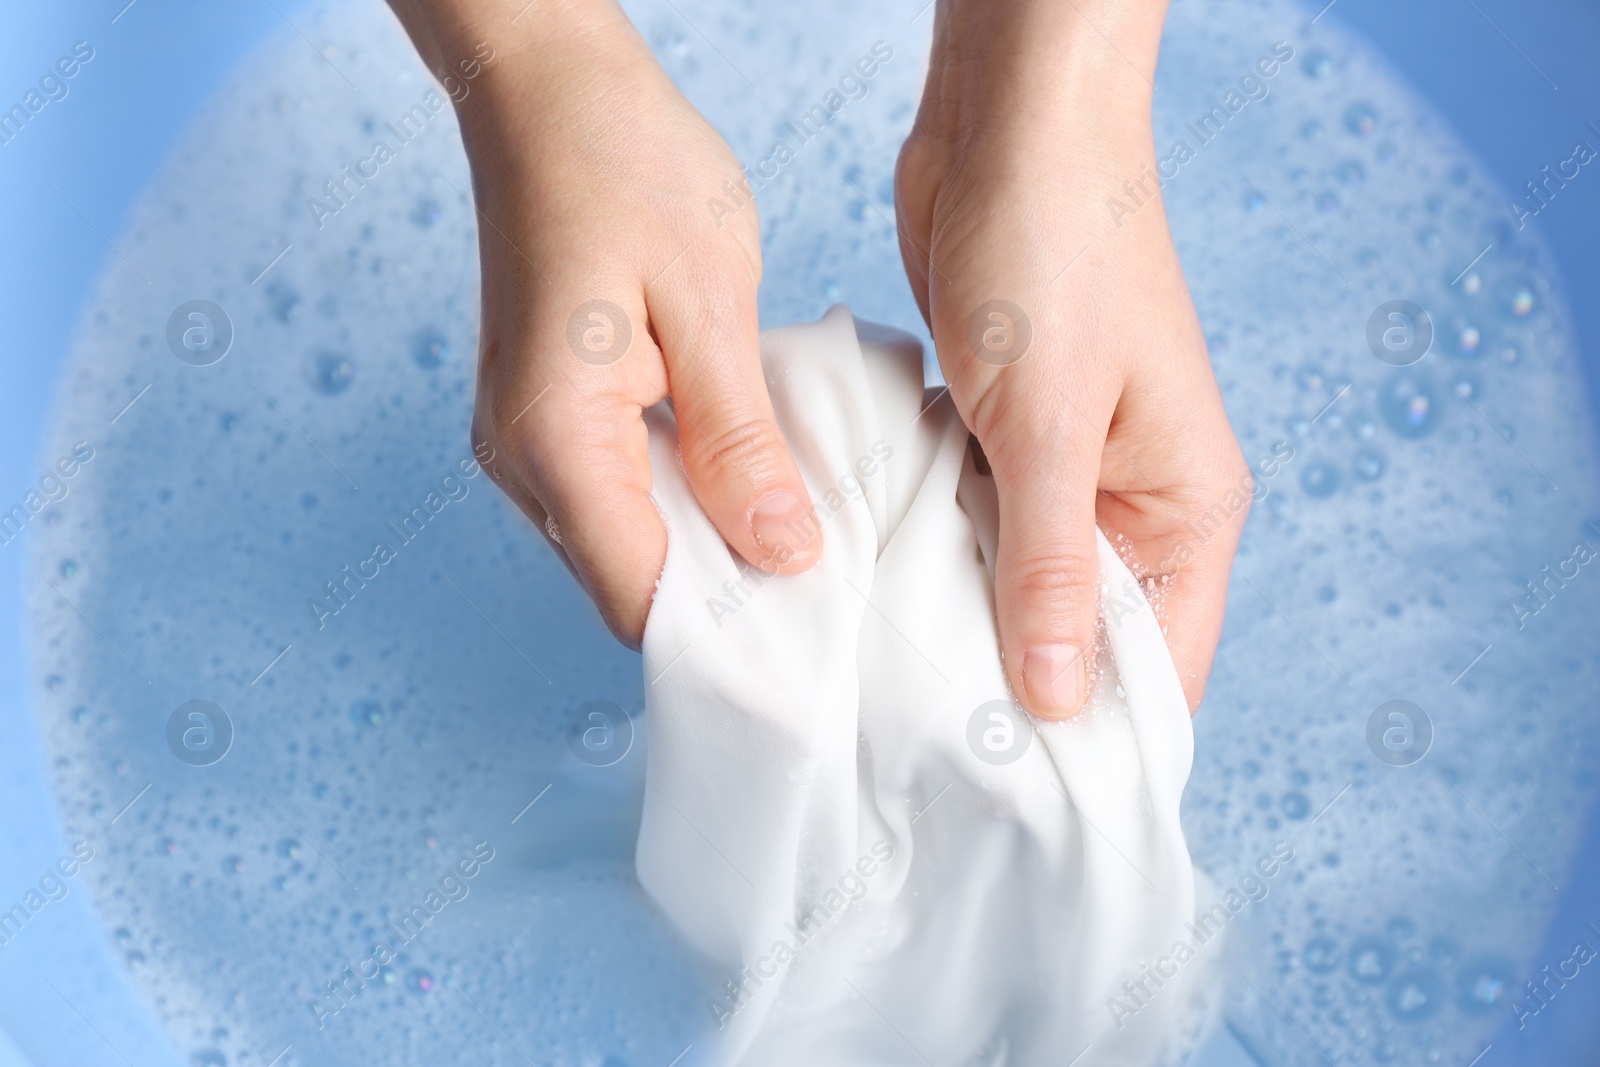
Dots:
pixel 621 255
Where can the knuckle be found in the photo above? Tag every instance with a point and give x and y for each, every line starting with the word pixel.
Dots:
pixel 1004 422
pixel 1020 420
pixel 750 445
pixel 1059 578
pixel 989 412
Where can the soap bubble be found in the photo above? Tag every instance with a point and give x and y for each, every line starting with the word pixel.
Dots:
pixel 1465 338
pixel 431 350
pixel 1371 960
pixel 1320 479
pixel 1369 464
pixel 1483 984
pixel 1361 119
pixel 1310 378
pixel 1321 955
pixel 1416 994
pixel 331 372
pixel 1317 65
pixel 1521 301
pixel 283 301
pixel 366 713
pixel 426 213
pixel 1408 406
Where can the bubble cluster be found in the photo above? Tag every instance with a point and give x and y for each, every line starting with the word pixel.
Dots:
pixel 1430 394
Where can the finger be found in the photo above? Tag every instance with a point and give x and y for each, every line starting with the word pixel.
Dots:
pixel 490 458
pixel 1192 606
pixel 568 422
pixel 1184 563
pixel 1045 454
pixel 1184 536
pixel 738 463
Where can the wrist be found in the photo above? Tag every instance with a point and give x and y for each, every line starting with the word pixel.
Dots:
pixel 1033 72
pixel 523 37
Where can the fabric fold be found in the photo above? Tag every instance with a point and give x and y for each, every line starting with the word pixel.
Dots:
pixel 846 810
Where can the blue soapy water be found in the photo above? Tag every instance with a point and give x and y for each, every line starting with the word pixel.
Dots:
pixel 425 713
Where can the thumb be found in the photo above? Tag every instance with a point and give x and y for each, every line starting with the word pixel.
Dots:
pixel 733 451
pixel 1045 454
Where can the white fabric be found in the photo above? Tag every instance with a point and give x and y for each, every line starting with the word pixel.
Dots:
pixel 803 729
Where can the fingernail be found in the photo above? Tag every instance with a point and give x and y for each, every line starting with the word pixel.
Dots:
pixel 786 531
pixel 1054 677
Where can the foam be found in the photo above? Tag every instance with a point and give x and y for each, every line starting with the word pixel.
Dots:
pixel 420 720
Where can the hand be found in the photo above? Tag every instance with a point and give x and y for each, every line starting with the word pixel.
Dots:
pixel 594 180
pixel 1033 117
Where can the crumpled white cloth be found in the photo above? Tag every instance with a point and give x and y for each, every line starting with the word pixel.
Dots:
pixel 819 818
